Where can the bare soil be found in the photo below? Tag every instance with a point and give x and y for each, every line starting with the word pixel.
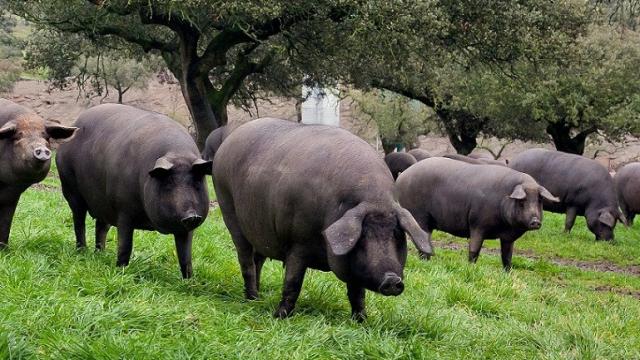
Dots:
pixel 601 266
pixel 66 105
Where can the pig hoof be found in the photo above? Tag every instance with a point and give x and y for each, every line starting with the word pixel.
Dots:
pixel 251 296
pixel 359 316
pixel 282 313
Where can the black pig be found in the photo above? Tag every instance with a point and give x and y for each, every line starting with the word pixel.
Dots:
pixel 316 197
pixel 398 162
pixel 471 201
pixel 134 169
pixel 583 186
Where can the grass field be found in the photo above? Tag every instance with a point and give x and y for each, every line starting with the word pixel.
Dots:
pixel 57 303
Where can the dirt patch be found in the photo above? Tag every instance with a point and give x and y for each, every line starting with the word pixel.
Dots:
pixel 213 204
pixel 600 265
pixel 619 291
pixel 45 187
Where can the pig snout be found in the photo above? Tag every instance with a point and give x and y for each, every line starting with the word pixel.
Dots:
pixel 535 223
pixel 391 285
pixel 192 220
pixel 42 153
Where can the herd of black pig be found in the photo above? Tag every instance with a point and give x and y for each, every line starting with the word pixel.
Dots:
pixel 311 196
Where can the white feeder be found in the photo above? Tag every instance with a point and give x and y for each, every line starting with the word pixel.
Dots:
pixel 322 106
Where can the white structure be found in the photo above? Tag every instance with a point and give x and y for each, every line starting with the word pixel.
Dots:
pixel 322 106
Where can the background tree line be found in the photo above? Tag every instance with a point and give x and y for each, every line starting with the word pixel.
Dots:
pixel 528 70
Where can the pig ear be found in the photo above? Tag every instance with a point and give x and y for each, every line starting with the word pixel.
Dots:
pixel 607 219
pixel 343 234
pixel 623 218
pixel 547 195
pixel 59 132
pixel 420 238
pixel 518 193
pixel 203 167
pixel 161 168
pixel 8 130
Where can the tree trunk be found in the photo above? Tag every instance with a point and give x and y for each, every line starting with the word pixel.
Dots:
pixel 463 143
pixel 560 133
pixel 194 85
pixel 195 95
pixel 388 146
pixel 462 128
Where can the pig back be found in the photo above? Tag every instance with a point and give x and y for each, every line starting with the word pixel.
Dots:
pixel 287 182
pixel 574 179
pixel 113 151
pixel 10 110
pixel 627 185
pixel 449 194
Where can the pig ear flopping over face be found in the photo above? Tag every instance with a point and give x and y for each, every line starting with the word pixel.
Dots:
pixel 607 219
pixel 420 238
pixel 622 218
pixel 161 168
pixel 59 132
pixel 203 167
pixel 518 193
pixel 343 234
pixel 7 130
pixel 547 195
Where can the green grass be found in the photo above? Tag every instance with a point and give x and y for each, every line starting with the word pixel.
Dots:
pixel 579 244
pixel 56 303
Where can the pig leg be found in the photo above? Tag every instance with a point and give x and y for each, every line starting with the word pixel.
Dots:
pixel 627 213
pixel 6 217
pixel 475 244
pixel 183 248
pixel 258 260
pixel 244 250
pixel 295 268
pixel 79 210
pixel 125 242
pixel 423 223
pixel 570 219
pixel 356 296
pixel 506 250
pixel 102 228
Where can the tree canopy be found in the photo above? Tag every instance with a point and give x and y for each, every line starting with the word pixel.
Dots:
pixel 595 89
pixel 10 55
pixel 234 51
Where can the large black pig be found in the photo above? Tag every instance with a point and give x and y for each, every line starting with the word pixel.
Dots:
pixel 25 156
pixel 475 160
pixel 471 201
pixel 134 169
pixel 583 186
pixel 213 142
pixel 627 184
pixel 419 154
pixel 398 162
pixel 316 197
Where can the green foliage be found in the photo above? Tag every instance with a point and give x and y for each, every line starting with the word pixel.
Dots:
pixel 433 58
pixel 236 51
pixel 398 120
pixel 92 67
pixel 10 52
pixel 59 303
pixel 595 89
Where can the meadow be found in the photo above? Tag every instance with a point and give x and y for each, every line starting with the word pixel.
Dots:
pixel 567 297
